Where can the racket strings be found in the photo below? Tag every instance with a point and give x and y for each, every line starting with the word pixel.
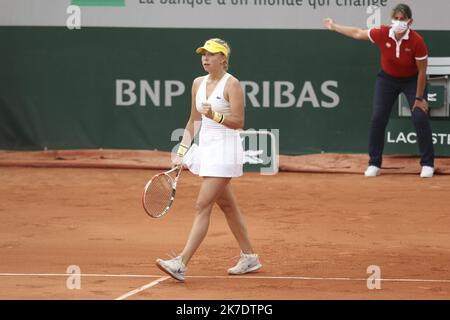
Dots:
pixel 158 195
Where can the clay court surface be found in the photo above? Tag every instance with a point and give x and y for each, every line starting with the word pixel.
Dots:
pixel 316 234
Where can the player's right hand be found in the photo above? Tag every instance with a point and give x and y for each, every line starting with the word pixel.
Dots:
pixel 328 23
pixel 176 160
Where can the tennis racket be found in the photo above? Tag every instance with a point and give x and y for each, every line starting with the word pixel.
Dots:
pixel 159 192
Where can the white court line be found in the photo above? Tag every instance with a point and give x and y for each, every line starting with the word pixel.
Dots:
pixel 218 277
pixel 148 285
pixel 78 274
pixel 320 278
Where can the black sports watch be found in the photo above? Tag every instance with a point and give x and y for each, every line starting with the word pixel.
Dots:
pixel 420 98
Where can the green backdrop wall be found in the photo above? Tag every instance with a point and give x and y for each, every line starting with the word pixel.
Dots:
pixel 58 87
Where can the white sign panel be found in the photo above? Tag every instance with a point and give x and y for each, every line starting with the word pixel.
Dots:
pixel 228 14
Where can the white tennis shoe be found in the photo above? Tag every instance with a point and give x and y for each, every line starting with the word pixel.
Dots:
pixel 427 172
pixel 372 171
pixel 173 267
pixel 247 263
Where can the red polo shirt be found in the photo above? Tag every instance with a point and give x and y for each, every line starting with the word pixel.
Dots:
pixel 398 58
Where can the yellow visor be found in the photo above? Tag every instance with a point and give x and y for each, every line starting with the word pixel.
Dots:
pixel 213 47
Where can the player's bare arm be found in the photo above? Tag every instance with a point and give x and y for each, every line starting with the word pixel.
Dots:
pixel 235 95
pixel 191 129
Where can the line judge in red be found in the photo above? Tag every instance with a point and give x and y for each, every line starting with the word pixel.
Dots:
pixel 404 59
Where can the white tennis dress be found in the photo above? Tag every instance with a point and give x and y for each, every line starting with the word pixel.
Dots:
pixel 219 153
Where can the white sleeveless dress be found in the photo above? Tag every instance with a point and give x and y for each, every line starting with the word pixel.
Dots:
pixel 219 153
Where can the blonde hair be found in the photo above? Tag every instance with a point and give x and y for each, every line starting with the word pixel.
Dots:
pixel 226 45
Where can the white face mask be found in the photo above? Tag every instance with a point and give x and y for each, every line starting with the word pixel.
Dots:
pixel 399 26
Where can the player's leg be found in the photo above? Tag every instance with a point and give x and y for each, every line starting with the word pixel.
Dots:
pixel 249 261
pixel 210 190
pixel 228 204
pixel 386 92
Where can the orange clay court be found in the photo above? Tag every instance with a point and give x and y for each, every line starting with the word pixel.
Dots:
pixel 317 226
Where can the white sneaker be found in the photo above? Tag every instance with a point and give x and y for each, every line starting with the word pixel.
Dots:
pixel 173 267
pixel 427 172
pixel 372 171
pixel 247 263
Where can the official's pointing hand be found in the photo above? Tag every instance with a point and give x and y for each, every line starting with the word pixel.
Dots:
pixel 328 23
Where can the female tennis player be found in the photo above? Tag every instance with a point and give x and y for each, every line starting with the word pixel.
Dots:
pixel 218 102
pixel 403 69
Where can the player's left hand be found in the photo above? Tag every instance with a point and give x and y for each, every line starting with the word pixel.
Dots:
pixel 423 105
pixel 207 110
